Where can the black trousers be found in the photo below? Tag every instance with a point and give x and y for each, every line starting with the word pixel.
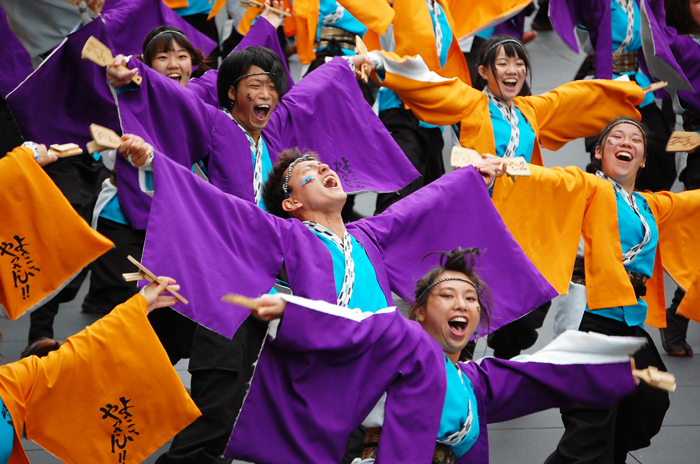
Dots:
pixel 603 436
pixel 422 146
pixel 508 341
pixel 107 288
pixel 221 369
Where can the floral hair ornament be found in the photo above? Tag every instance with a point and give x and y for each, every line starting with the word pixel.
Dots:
pixel 161 33
pixel 430 287
pixel 622 120
pixel 285 186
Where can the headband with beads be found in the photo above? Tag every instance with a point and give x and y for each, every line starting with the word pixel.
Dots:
pixel 285 186
pixel 430 287
pixel 623 120
pixel 497 44
pixel 161 33
pixel 253 74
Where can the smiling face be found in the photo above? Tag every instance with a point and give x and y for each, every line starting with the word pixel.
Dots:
pixel 253 101
pixel 451 313
pixel 175 63
pixel 507 77
pixel 622 154
pixel 314 188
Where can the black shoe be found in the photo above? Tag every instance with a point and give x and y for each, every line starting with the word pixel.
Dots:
pixel 41 347
pixel 673 336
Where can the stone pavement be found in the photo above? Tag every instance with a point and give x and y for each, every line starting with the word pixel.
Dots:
pixel 527 440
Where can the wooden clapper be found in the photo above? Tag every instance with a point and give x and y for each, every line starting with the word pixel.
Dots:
pixel 103 138
pixel 656 378
pixel 99 53
pixel 149 276
pixel 256 4
pixel 240 300
pixel 361 49
pixel 515 167
pixel 683 141
pixel 65 150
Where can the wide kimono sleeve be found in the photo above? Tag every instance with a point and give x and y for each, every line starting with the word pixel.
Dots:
pixel 594 103
pixel 326 112
pixel 577 367
pixel 456 211
pixel 43 241
pixel 472 16
pixel 323 371
pixel 549 211
pixel 97 400
pixel 212 243
pixel 678 220
pixel 262 34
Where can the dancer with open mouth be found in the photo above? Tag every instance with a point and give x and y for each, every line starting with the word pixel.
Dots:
pixel 630 239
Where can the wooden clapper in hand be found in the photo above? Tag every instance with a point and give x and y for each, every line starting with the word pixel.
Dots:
pixel 99 53
pixel 103 138
pixel 683 141
pixel 256 4
pixel 656 378
pixel 149 276
pixel 361 49
pixel 65 150
pixel 515 167
pixel 240 300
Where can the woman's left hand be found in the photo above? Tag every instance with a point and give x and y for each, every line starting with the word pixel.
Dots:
pixel 272 17
pixel 360 62
pixel 490 168
pixel 153 292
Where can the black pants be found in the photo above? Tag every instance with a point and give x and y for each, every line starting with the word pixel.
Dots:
pixel 422 146
pixel 602 436
pixel 221 369
pixel 77 178
pixel 508 341
pixel 107 288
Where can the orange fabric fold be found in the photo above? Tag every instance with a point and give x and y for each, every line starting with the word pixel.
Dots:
pixel 549 211
pixel 108 389
pixel 43 241
pixel 218 5
pixel 679 249
pixel 472 16
pixel 176 3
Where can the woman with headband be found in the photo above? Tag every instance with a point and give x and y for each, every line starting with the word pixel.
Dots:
pixel 497 120
pixel 630 240
pixel 451 302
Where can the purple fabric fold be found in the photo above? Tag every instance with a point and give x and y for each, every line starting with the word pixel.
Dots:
pixel 75 91
pixel 191 220
pixel 455 211
pixel 324 113
pixel 16 62
pixel 322 375
pixel 261 34
pixel 507 390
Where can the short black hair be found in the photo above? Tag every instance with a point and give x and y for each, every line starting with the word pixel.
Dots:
pixel 273 193
pixel 239 62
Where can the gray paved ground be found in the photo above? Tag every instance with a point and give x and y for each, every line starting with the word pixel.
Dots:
pixel 526 440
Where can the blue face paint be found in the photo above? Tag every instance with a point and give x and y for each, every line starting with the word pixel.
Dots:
pixel 306 180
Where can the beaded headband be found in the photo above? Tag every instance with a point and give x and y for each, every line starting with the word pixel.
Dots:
pixel 252 74
pixel 430 287
pixel 161 33
pixel 497 44
pixel 289 172
pixel 623 120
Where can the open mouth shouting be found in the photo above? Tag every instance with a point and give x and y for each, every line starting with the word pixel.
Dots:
pixel 261 112
pixel 330 181
pixel 510 83
pixel 624 156
pixel 458 326
pixel 175 76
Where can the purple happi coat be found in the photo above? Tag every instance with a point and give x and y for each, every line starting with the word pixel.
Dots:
pixel 74 92
pixel 325 113
pixel 16 62
pixel 213 243
pixel 324 367
pixel 321 375
pixel 261 34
